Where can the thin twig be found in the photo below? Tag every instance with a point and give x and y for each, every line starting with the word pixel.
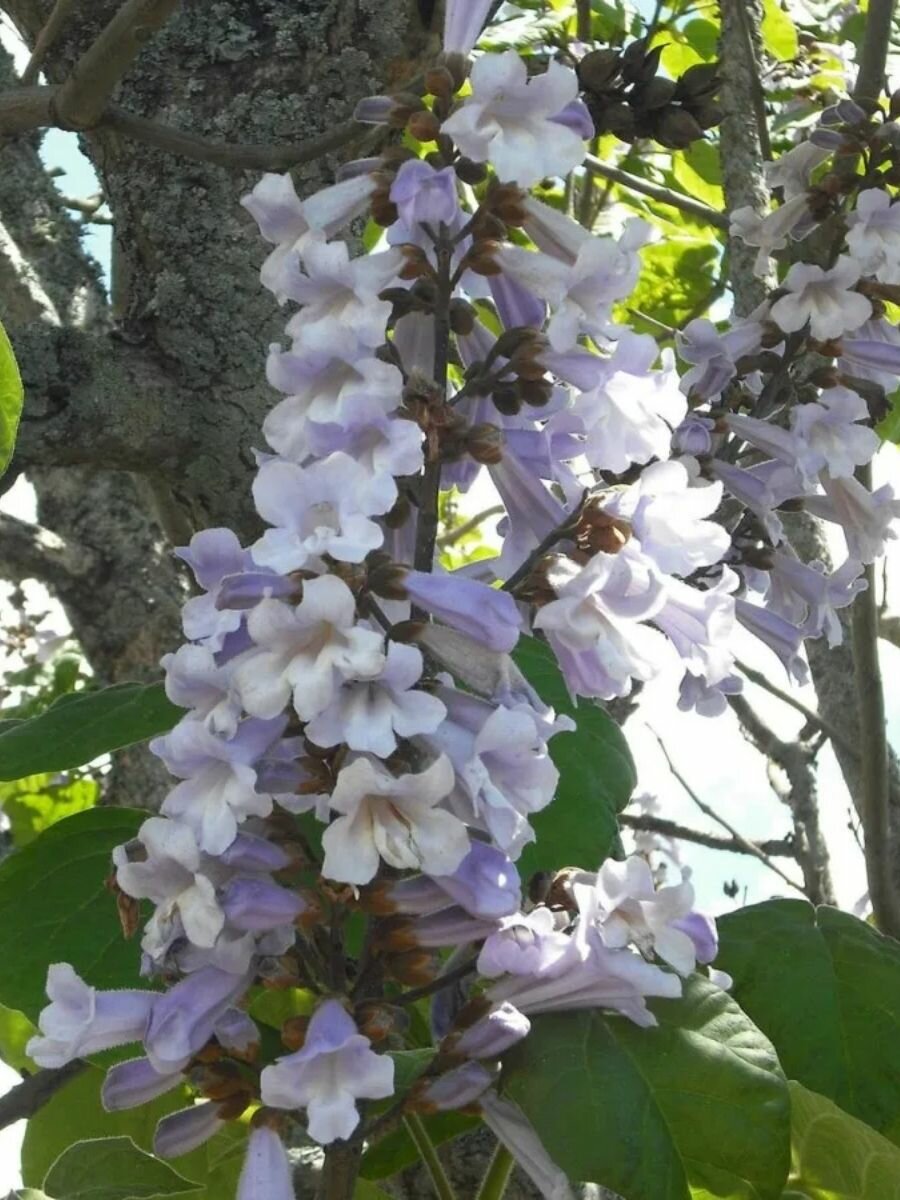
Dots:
pixel 657 192
pixel 437 985
pixel 750 847
pixel 566 526
pixel 811 715
pixel 452 536
pixel 645 823
pixel 45 39
pixel 583 20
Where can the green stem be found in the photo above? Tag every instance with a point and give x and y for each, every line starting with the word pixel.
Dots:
pixel 429 1156
pixel 497 1175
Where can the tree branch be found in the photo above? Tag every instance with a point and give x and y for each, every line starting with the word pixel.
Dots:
pixel 811 715
pixel 749 847
pixel 30 552
pixel 50 31
pixel 29 1096
pixel 884 888
pixel 799 796
pixel 82 99
pixel 874 50
pixel 783 847
pixel 656 191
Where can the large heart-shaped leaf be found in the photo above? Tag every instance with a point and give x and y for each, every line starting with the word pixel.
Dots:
pixel 54 907
pixel 84 725
pixel 698 1106
pixel 113 1168
pixel 836 1157
pixel 825 988
pixel 596 774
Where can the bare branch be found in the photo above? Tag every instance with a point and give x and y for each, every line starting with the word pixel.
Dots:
pixel 749 847
pixel 82 99
pixel 665 195
pixel 29 1096
pixel 797 791
pixel 783 847
pixel 811 715
pixel 875 776
pixel 30 552
pixel 30 108
pixel 45 39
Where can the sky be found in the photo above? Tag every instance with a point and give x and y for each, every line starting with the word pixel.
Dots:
pixel 720 766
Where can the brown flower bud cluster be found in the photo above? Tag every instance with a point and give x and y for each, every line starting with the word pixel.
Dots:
pixel 627 97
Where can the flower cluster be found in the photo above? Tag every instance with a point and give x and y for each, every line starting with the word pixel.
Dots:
pixel 358 740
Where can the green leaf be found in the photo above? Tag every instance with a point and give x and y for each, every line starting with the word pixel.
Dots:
pixel 698 173
pixel 54 907
pixel 408 1066
pixel 35 803
pixel 75 1113
pixel 15 1032
pixel 677 280
pixel 364 1190
pixel 596 774
pixel 836 1157
pixel 12 395
pixel 778 32
pixel 274 1006
pixel 697 1103
pixel 82 726
pixel 888 428
pixel 113 1169
pixel 825 988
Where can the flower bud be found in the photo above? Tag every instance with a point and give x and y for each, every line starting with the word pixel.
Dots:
pixel 494 1033
pixel 457 1088
pixel 256 905
pixel 186 1130
pixel 416 968
pixel 485 443
pixel 423 126
pixel 376 1019
pixel 293 1032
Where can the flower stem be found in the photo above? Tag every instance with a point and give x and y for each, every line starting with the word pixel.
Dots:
pixel 340 1170
pixel 496 1177
pixel 428 1154
pixel 427 528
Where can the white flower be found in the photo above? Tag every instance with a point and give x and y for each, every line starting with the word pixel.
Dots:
pixel 629 416
pixel 594 624
pixel 792 170
pixel 308 651
pixel 325 508
pixel 828 435
pixel 667 516
pixel 219 784
pixel 195 680
pixel 370 714
pixel 508 119
pixel 769 232
pixel 874 235
pixel 335 286
pixel 336 1067
pixel 630 909
pixel 325 375
pixel 171 877
pixel 394 818
pixel 79 1020
pixel 582 294
pixel 822 298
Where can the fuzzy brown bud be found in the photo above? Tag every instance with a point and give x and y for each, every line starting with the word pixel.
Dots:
pixel 376 1020
pixel 424 126
pixel 484 443
pixel 415 968
pixel 462 316
pixel 470 172
pixel 293 1032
